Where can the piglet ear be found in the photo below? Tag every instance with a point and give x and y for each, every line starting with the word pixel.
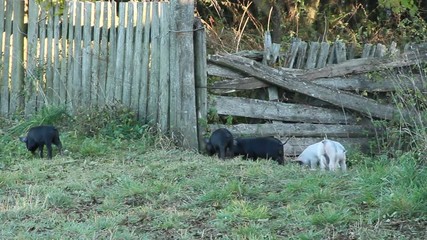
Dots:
pixel 23 139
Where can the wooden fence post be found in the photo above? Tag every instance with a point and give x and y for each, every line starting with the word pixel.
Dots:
pixel 184 15
pixel 16 99
pixel 201 80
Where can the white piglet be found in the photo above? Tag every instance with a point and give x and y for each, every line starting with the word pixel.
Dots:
pixel 326 153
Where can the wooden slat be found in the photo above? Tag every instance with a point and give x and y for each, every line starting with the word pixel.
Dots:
pixel 95 90
pixel 86 54
pixel 6 61
pixel 302 49
pixel 297 130
pixel 313 52
pixel 56 80
pixel 129 45
pixel 153 87
pixel 137 58
pixel 388 83
pixel 31 77
pixel 176 84
pixel 323 55
pixel 120 61
pixel 112 53
pixel 3 85
pixel 143 95
pixel 49 56
pixel 71 59
pixel 164 67
pixel 201 80
pixel 185 60
pixel 64 56
pixel 254 108
pixel 77 64
pixel 103 53
pixel 17 82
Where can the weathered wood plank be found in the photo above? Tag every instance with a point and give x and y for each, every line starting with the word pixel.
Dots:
pixel 64 56
pixel 17 83
pixel 120 54
pixel 366 50
pixel 164 67
pixel 137 61
pixel 3 85
pixel 49 55
pixel 215 70
pixel 297 130
pixel 254 108
pixel 175 81
pixel 143 95
pixel 292 53
pixel 56 80
pixel 228 86
pixel 301 57
pixel 201 80
pixel 112 56
pixel 86 55
pixel 185 59
pixel 94 84
pixel 323 55
pixel 6 61
pixel 71 61
pixel 313 51
pixel 31 78
pixel 340 52
pixel 77 60
pixel 339 98
pixel 129 53
pixel 153 87
pixel 388 83
pixel 103 53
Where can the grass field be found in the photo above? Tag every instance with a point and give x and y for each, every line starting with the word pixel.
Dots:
pixel 114 188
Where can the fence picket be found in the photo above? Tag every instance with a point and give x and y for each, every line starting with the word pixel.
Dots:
pixel 49 56
pixel 323 55
pixel 94 83
pixel 137 58
pixel 313 52
pixel 143 95
pixel 64 63
pixel 86 54
pixel 121 35
pixel 31 78
pixel 71 57
pixel 16 98
pixel 111 72
pixel 128 67
pixel 103 53
pixel 77 74
pixel 164 67
pixel 6 61
pixel 56 81
pixel 154 75
pixel 3 87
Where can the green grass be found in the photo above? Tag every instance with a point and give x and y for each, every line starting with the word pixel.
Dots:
pixel 127 189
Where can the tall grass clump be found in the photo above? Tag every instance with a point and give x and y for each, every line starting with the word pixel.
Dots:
pixel 408 133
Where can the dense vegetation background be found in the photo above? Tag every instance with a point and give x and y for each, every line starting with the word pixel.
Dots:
pixel 358 21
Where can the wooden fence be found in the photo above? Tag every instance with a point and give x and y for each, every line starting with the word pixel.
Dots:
pixel 84 54
pixel 315 90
